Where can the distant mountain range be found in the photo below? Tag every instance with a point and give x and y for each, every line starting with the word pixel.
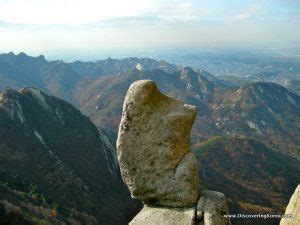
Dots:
pixel 243 67
pixel 256 123
pixel 98 89
pixel 264 111
pixel 60 78
pixel 116 66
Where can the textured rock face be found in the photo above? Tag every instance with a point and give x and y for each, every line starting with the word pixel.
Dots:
pixel 293 209
pixel 153 147
pixel 211 208
pixel 165 216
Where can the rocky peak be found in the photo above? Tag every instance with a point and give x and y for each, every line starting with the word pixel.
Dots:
pixel 271 96
pixel 8 94
pixel 40 96
pixel 22 58
pixel 263 89
pixel 10 102
pixel 185 71
pixel 42 58
pixel 18 104
pixel 22 54
pixel 197 85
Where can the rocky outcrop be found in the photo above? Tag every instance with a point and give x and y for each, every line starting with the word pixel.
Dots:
pixel 166 216
pixel 156 164
pixel 292 211
pixel 211 208
pixel 153 147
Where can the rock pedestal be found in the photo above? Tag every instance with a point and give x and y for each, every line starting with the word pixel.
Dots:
pixel 156 164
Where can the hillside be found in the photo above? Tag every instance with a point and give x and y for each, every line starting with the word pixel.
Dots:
pixel 266 112
pixel 56 159
pixel 254 178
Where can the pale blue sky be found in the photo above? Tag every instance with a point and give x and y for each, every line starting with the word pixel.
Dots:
pixel 47 26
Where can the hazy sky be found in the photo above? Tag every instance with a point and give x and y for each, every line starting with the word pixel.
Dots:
pixel 48 26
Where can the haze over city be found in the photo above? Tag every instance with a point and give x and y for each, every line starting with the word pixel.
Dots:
pixel 137 26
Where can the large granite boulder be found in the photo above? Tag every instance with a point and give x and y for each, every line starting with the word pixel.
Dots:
pixel 292 212
pixel 153 147
pixel 211 208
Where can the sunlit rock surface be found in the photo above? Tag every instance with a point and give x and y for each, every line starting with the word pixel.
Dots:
pixel 153 147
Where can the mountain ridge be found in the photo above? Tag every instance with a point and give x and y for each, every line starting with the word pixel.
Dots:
pixel 255 178
pixel 47 143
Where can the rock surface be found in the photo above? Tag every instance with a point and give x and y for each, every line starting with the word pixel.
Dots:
pixel 164 216
pixel 293 209
pixel 211 208
pixel 153 147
